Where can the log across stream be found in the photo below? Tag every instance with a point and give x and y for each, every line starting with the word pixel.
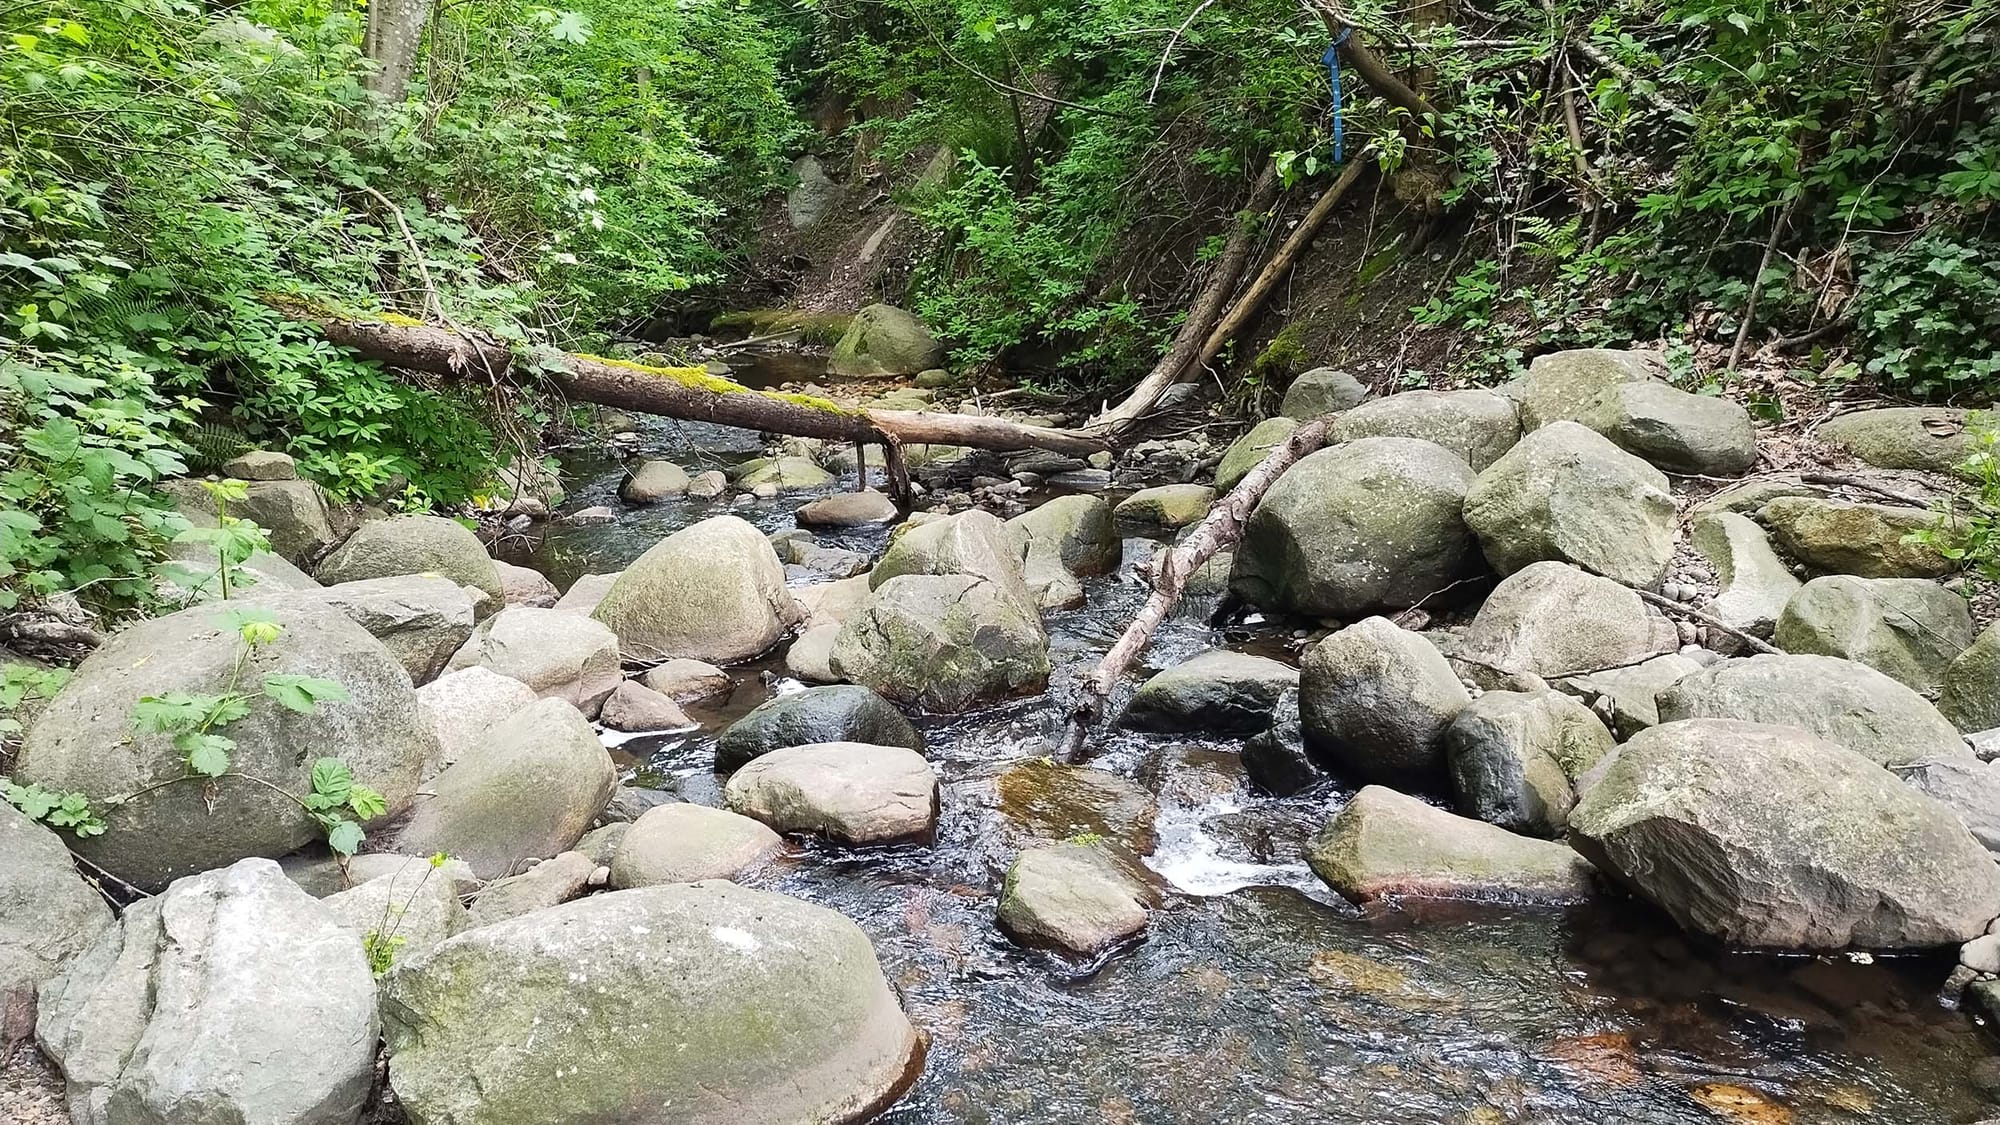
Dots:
pixel 1259 995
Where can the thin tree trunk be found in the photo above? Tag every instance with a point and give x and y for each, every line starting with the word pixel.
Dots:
pixel 1222 527
pixel 392 39
pixel 1201 319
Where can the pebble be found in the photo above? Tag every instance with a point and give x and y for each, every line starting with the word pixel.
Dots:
pixel 600 876
pixel 1981 954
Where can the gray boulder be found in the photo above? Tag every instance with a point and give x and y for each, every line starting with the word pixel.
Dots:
pixel 401 913
pixel 1675 430
pixel 1549 619
pixel 649 482
pixel 731 1006
pixel 233 998
pixel 586 592
pixel 261 464
pixel 974 542
pixel 712 591
pixel 831 603
pixel 1971 696
pixel 632 706
pixel 420 618
pixel 1756 583
pixel 1375 700
pixel 1630 696
pixel 1839 537
pixel 1245 452
pixel 552 882
pixel 1515 758
pixel 458 708
pixel 1478 426
pixel 1384 844
pixel 294 514
pixel 84 740
pixel 1218 691
pixel 1927 438
pixel 560 655
pixel 944 643
pixel 1850 705
pixel 848 509
pixel 1565 386
pixel 1158 512
pixel 1078 897
pixel 810 657
pixel 850 792
pixel 1322 390
pixel 834 713
pixel 884 341
pixel 1567 494
pixel 48 914
pixel 781 474
pixel 1769 837
pixel 520 585
pixel 1367 525
pixel 1076 529
pixel 686 843
pixel 1276 760
pixel 413 545
pixel 1967 786
pixel 1908 628
pixel 689 681
pixel 531 790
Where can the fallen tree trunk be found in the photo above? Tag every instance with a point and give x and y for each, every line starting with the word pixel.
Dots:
pixel 1207 309
pixel 688 393
pixel 1222 527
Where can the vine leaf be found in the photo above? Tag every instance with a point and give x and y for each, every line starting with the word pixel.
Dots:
pixel 303 693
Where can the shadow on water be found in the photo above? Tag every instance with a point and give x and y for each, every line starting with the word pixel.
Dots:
pixel 1258 996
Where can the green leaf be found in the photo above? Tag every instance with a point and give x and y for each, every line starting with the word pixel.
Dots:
pixel 332 779
pixel 207 754
pixel 366 804
pixel 303 693
pixel 345 838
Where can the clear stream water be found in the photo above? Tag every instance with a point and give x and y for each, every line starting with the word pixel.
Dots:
pixel 1259 996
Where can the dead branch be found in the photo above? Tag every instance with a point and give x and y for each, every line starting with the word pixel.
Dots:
pixel 1708 619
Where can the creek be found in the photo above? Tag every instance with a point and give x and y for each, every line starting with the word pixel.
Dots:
pixel 1259 995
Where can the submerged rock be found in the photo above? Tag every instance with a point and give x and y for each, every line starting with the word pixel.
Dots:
pixel 1908 628
pixel 834 713
pixel 1769 837
pixel 850 792
pixel 1850 705
pixel 712 591
pixel 1077 897
pixel 1050 801
pixel 1374 701
pixel 1566 494
pixel 1218 691
pixel 413 545
pixel 1386 844
pixel 234 997
pixel 1371 524
pixel 714 1005
pixel 686 843
pixel 944 643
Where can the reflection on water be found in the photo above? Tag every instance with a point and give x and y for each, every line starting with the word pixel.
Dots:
pixel 1258 997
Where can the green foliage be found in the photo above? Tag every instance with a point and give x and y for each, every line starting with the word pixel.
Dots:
pixel 1968 530
pixel 22 684
pixel 381 950
pixel 341 805
pixel 71 812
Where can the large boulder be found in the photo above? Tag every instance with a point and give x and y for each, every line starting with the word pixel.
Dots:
pixel 686 843
pixel 552 882
pixel 85 740
pixel 1515 758
pixel 1675 430
pixel 849 792
pixel 1566 494
pixel 1245 452
pixel 1375 700
pixel 1549 619
pixel 944 643
pixel 1478 426
pixel 48 914
pixel 1081 897
pixel 234 998
pixel 633 707
pixel 1850 705
pixel 832 713
pixel 560 655
pixel 709 1004
pixel 1755 583
pixel 782 474
pixel 1322 390
pixel 1971 696
pixel 294 514
pixel 1367 525
pixel 1767 836
pixel 261 464
pixel 1217 691
pixel 1075 529
pixel 458 707
pixel 848 509
pixel 1967 786
pixel 1840 537
pixel 1909 628
pixel 1565 386
pixel 531 790
pixel 586 592
pixel 883 341
pixel 413 545
pixel 712 591
pixel 1928 438
pixel 974 542
pixel 520 585
pixel 1158 512
pixel 421 618
pixel 651 481
pixel 1276 760
pixel 1387 844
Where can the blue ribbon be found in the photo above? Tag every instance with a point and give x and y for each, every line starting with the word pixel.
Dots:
pixel 1332 61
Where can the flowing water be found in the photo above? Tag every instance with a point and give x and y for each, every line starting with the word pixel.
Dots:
pixel 1258 996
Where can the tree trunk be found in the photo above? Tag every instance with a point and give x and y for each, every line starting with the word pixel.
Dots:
pixel 678 392
pixel 1201 318
pixel 1223 526
pixel 394 34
